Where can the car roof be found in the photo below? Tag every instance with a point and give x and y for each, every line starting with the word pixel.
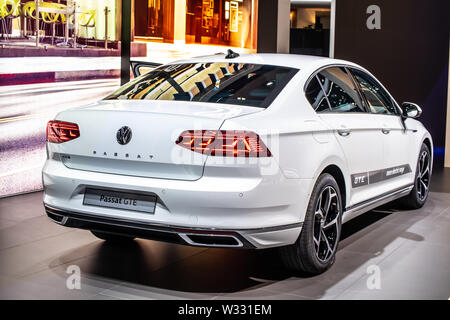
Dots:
pixel 305 63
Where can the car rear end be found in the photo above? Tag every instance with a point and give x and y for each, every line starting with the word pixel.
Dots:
pixel 167 170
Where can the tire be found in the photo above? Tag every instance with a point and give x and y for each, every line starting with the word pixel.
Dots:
pixel 110 237
pixel 304 255
pixel 419 194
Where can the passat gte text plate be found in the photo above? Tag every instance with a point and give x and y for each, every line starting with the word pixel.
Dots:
pixel 119 200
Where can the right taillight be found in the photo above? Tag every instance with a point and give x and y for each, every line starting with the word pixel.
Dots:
pixel 225 143
pixel 61 131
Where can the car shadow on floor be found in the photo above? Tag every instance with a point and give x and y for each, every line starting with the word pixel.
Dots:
pixel 191 269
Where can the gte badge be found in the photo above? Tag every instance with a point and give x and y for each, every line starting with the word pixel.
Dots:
pixel 360 179
pixel 124 135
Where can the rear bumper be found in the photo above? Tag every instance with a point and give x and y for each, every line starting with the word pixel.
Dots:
pixel 189 236
pixel 257 212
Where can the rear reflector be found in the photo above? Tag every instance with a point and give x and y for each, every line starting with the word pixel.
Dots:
pixel 226 143
pixel 60 131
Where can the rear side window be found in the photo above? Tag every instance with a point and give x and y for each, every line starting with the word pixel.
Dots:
pixel 377 98
pixel 316 96
pixel 336 89
pixel 232 83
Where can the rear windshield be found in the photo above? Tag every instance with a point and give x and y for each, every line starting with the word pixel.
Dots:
pixel 232 83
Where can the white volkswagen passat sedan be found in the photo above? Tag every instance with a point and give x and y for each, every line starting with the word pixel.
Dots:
pixel 251 151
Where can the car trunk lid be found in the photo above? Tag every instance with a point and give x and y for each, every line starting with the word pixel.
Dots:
pixel 155 126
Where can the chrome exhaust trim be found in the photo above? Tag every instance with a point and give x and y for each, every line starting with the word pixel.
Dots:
pixel 190 239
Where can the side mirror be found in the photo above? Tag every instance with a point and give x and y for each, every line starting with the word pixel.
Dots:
pixel 411 110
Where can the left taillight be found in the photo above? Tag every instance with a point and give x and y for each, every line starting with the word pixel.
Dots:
pixel 61 131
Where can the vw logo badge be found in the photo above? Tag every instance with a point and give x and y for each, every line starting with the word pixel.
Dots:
pixel 124 135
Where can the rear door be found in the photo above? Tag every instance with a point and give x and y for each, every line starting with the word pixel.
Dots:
pixel 397 171
pixel 339 104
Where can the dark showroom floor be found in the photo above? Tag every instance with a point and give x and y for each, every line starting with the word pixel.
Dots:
pixel 384 254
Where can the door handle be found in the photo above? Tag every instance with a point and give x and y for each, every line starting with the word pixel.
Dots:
pixel 385 131
pixel 344 132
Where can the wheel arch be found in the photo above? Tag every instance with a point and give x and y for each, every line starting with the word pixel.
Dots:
pixel 338 175
pixel 429 144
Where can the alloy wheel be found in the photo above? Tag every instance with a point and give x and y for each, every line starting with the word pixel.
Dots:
pixel 423 176
pixel 326 223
